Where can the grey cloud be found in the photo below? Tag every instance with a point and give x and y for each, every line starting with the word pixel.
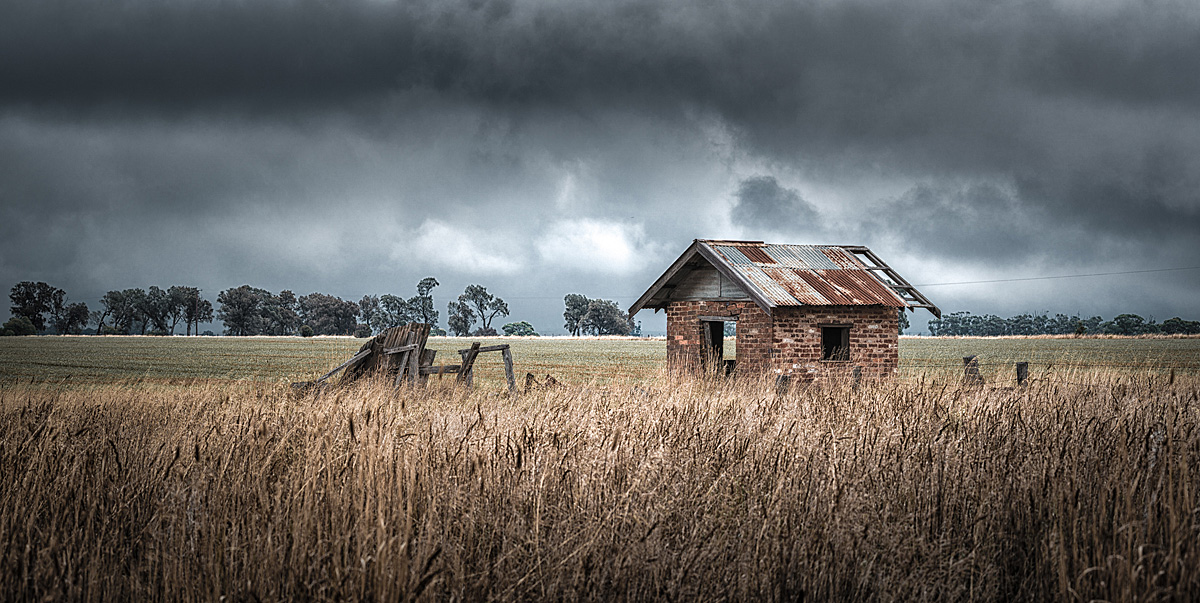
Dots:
pixel 973 222
pixel 762 204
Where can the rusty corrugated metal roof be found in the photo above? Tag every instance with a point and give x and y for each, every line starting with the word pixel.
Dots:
pixel 792 275
pixel 810 275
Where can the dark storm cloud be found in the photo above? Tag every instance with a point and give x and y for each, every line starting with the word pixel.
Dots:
pixel 882 67
pixel 761 203
pixel 955 130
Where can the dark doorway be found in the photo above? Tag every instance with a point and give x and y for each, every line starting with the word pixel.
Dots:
pixel 714 331
pixel 714 341
pixel 835 342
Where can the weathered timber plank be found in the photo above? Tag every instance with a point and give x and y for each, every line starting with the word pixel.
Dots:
pixel 468 357
pixel 427 356
pixel 400 361
pixel 421 335
pixel 402 364
pixel 403 348
pixel 490 348
pixel 355 358
pixel 440 370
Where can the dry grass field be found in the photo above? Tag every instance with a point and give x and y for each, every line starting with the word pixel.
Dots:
pixel 643 487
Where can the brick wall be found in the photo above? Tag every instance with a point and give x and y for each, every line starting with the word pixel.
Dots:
pixel 754 336
pixel 789 341
pixel 685 339
pixel 874 341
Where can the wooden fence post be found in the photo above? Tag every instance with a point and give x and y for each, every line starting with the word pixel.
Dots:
pixel 971 374
pixel 508 370
pixel 1022 372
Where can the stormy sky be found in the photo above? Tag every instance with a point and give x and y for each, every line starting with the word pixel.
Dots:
pixel 545 147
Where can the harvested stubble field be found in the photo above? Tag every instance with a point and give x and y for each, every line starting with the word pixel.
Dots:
pixel 914 489
pixel 185 360
pixel 180 360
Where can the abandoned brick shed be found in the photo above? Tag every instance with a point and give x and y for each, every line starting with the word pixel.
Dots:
pixel 808 311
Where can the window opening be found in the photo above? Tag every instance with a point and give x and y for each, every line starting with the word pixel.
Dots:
pixel 835 343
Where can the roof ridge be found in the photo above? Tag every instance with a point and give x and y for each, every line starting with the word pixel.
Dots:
pixel 732 241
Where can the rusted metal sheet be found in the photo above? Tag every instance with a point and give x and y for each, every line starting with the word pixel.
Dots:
pixel 816 275
pixel 732 254
pixel 770 288
pixel 758 254
pixel 842 258
pixel 862 288
pixel 802 257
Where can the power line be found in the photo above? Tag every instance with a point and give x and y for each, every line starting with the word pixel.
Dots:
pixel 1045 278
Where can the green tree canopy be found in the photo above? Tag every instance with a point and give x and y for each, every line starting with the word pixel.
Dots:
pixel 421 307
pixel 576 306
pixel 393 312
pixel 35 300
pixel 484 305
pixel 241 310
pixel 328 315
pixel 605 317
pixel 520 329
pixel 460 317
pixel 195 309
pixel 19 325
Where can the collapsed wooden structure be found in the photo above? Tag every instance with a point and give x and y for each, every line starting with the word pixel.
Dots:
pixel 400 355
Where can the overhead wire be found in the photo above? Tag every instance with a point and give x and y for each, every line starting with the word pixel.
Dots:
pixel 1046 278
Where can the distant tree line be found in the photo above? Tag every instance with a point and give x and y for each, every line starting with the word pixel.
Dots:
pixel 38 307
pixel 248 310
pixel 988 325
pixel 41 308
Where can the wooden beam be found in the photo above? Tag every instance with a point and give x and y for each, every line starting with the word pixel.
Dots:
pixel 356 358
pixel 404 348
pixel 440 370
pixel 468 363
pixel 427 356
pixel 414 360
pixel 490 348
pixel 738 279
pixel 718 319
pixel 679 263
pixel 404 356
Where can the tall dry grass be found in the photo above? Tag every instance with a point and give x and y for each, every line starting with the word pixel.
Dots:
pixel 698 489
